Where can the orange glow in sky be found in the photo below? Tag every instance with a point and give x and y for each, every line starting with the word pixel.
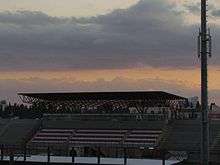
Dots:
pixel 189 78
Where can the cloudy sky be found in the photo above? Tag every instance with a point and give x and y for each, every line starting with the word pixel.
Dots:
pixel 102 45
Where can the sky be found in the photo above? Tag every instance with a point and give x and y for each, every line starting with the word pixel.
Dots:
pixel 102 45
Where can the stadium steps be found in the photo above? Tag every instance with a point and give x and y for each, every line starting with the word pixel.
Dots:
pixel 4 129
pixel 3 125
pixel 72 135
pixel 182 135
pixel 17 131
pixel 215 136
pixel 125 136
pixel 164 136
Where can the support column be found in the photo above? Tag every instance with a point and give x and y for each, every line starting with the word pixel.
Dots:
pixel 25 153
pixel 2 153
pixel 73 154
pixel 11 158
pixel 73 159
pixel 98 156
pixel 116 153
pixel 125 156
pixel 163 157
pixel 48 155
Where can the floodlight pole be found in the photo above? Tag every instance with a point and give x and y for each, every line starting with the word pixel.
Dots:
pixel 204 50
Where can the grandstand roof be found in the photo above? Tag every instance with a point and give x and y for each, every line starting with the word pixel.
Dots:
pixel 140 95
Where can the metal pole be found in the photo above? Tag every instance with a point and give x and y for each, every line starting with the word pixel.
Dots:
pixel 73 154
pixel 163 157
pixel 125 156
pixel 204 86
pixel 48 155
pixel 98 156
pixel 2 153
pixel 25 153
pixel 11 157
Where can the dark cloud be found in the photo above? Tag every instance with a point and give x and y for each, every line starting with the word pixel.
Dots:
pixel 193 8
pixel 149 33
pixel 27 18
pixel 215 13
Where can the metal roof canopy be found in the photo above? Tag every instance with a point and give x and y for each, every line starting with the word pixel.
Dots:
pixel 140 95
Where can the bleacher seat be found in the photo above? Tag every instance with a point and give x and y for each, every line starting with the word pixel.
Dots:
pixel 84 131
pixel 96 136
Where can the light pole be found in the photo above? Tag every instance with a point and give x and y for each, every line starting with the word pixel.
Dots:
pixel 204 50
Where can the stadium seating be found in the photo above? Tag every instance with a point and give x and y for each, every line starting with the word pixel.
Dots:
pixel 71 136
pixel 109 131
pixel 96 136
pixel 149 137
pixel 102 136
pixel 215 136
pixel 182 135
pixel 185 135
pixel 51 136
pixel 17 131
pixel 3 122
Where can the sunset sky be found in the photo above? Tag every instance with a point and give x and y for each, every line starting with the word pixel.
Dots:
pixel 103 45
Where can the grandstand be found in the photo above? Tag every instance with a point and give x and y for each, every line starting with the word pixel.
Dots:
pixel 54 136
pixel 158 128
pixel 179 136
pixel 59 137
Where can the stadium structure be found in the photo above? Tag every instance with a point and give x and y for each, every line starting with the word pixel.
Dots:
pixel 127 125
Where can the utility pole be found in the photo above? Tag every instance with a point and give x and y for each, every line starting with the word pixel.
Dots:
pixel 204 50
